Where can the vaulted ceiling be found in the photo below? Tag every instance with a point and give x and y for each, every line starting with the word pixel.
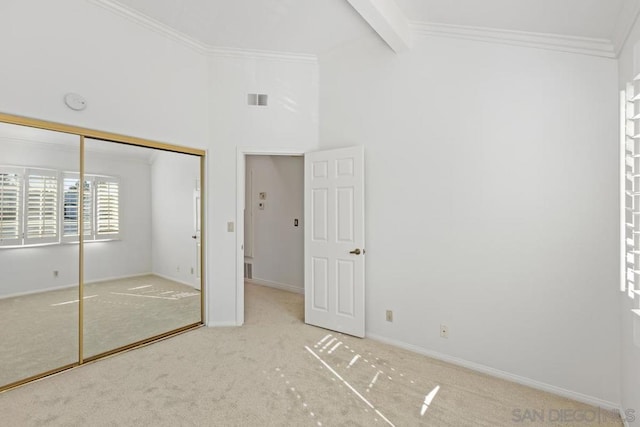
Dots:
pixel 316 26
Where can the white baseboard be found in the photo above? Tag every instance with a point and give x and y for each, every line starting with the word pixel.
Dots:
pixel 108 279
pixel 625 421
pixel 74 285
pixel 276 285
pixel 175 280
pixel 53 288
pixel 224 324
pixel 590 400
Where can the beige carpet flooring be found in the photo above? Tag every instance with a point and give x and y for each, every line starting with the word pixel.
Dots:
pixel 277 371
pixel 39 332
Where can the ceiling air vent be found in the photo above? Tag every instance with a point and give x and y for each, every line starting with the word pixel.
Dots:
pixel 258 99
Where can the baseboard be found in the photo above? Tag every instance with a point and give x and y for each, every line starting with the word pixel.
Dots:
pixel 623 416
pixel 74 285
pixel 108 279
pixel 225 324
pixel 23 294
pixel 174 280
pixel 539 385
pixel 276 285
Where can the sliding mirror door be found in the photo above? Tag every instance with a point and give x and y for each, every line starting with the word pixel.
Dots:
pixel 39 253
pixel 141 244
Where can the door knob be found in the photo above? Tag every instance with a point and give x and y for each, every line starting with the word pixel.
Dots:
pixel 355 252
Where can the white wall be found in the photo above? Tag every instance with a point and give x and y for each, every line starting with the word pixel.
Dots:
pixel 136 82
pixel 491 203
pixel 278 245
pixel 629 66
pixel 289 122
pixel 26 270
pixel 173 183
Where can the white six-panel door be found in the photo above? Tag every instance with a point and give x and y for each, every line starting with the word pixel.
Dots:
pixel 334 239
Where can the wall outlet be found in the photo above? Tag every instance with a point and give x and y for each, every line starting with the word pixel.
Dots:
pixel 55 273
pixel 444 331
pixel 178 268
pixel 191 270
pixel 389 316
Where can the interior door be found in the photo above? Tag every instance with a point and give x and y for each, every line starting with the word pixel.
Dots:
pixel 334 239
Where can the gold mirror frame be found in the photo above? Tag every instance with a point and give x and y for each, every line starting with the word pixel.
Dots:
pixel 83 133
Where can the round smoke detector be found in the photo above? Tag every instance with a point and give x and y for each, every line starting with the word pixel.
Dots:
pixel 75 102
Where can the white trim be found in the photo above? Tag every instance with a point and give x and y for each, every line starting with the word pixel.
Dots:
pixel 624 24
pixel 581 45
pixel 222 324
pixel 623 416
pixel 194 44
pixel 38 291
pixel 151 24
pixel 58 288
pixel 539 385
pixel 175 280
pixel 270 284
pixel 241 153
pixel 108 279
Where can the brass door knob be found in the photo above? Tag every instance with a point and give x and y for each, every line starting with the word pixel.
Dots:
pixel 355 252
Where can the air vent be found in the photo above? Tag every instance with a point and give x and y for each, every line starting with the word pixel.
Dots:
pixel 257 99
pixel 248 270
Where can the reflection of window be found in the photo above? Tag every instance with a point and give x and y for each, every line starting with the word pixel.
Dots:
pixel 70 209
pixel 107 207
pixel 10 203
pixel 101 207
pixel 42 206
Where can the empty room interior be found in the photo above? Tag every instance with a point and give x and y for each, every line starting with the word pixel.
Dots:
pixel 337 212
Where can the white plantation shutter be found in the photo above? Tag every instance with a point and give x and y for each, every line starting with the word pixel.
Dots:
pixel 10 207
pixel 107 194
pixel 70 208
pixel 630 191
pixel 41 207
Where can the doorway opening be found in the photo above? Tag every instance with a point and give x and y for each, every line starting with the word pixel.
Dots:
pixel 273 222
pixel 270 221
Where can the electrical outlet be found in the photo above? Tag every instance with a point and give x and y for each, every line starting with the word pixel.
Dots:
pixel 55 273
pixel 444 331
pixel 389 316
pixel 191 270
pixel 178 268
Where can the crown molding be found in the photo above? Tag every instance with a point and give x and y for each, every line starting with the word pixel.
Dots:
pixel 580 45
pixel 194 44
pixel 624 24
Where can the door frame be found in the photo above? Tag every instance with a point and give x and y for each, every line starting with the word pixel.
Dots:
pixel 241 156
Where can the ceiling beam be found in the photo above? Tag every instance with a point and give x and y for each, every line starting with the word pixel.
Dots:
pixel 386 19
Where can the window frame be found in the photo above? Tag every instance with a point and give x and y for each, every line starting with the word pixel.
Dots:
pixel 90 233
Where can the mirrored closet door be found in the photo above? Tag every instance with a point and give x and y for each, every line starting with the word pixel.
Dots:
pixel 38 271
pixel 140 259
pixel 100 245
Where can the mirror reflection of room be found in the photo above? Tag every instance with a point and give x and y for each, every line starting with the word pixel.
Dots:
pixel 39 262
pixel 136 275
pixel 141 261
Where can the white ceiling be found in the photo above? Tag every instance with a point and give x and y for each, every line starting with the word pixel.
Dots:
pixel 316 26
pixel 297 26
